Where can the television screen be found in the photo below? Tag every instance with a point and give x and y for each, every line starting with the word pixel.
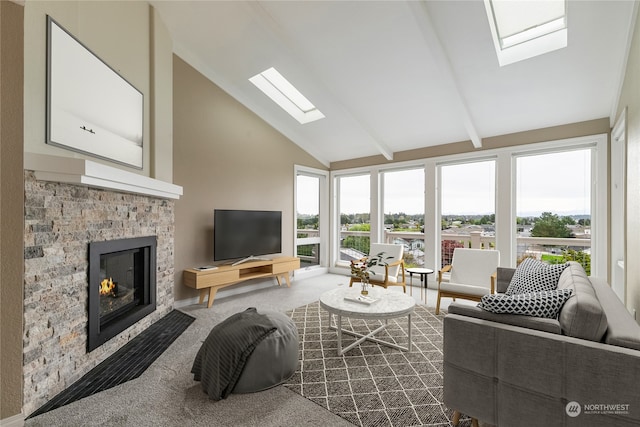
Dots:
pixel 244 233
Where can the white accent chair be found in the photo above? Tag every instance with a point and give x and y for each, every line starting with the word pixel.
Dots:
pixel 473 274
pixel 391 274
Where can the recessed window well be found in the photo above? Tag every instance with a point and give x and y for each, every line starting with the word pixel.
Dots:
pixel 283 93
pixel 524 29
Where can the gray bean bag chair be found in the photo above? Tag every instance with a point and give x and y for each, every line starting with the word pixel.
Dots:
pixel 274 359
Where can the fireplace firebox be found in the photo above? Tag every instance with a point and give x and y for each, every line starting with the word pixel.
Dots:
pixel 122 286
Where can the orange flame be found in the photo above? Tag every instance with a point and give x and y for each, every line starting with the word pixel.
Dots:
pixel 107 286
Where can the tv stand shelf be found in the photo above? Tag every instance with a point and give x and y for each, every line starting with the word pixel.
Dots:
pixel 209 281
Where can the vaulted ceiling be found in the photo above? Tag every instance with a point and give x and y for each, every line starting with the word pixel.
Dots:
pixel 392 76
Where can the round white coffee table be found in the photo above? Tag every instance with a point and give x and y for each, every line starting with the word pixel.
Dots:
pixel 388 305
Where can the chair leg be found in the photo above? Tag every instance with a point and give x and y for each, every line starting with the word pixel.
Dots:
pixel 438 304
pixel 455 419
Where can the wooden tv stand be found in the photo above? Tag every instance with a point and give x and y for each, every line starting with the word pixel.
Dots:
pixel 209 281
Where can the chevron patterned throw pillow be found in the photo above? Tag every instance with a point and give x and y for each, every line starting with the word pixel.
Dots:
pixel 535 276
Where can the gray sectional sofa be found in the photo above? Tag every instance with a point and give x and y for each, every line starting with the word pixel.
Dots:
pixel 582 369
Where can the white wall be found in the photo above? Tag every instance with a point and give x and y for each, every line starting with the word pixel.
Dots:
pixel 631 100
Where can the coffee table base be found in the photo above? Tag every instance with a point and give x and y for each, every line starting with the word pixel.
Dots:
pixel 370 336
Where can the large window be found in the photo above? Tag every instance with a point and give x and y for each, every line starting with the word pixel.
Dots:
pixel 308 215
pixel 553 207
pixel 403 207
pixel 355 216
pixel 468 203
pixel 311 202
pixel 546 200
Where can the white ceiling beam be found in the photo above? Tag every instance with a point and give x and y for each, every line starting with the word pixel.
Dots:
pixel 271 25
pixel 623 66
pixel 421 13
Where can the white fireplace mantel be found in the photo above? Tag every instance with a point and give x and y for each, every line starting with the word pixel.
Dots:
pixel 93 174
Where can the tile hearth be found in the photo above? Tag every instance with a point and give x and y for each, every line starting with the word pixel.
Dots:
pixel 127 363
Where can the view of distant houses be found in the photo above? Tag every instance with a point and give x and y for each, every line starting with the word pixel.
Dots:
pixel 459 231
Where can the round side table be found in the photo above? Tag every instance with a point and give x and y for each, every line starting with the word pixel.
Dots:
pixel 423 272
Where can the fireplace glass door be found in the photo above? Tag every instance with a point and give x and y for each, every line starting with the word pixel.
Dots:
pixel 122 286
pixel 121 283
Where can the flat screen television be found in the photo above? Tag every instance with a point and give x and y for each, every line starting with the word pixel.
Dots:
pixel 246 234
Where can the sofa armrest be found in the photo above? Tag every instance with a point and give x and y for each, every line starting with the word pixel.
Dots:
pixel 503 374
pixel 504 276
pixel 537 323
pixel 622 330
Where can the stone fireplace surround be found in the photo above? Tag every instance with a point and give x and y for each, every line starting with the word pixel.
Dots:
pixel 61 219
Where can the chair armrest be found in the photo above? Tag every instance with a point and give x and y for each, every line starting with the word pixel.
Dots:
pixel 444 269
pixel 393 264
pixel 494 277
pixel 400 262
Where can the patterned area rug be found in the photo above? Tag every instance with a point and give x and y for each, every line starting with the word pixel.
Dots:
pixel 371 384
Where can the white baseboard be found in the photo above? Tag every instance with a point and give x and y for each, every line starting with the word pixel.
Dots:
pixel 14 421
pixel 186 302
pixel 238 288
pixel 242 288
pixel 305 273
pixel 432 283
pixel 345 271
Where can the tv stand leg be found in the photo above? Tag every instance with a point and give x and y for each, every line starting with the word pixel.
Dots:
pixel 286 279
pixel 212 295
pixel 203 293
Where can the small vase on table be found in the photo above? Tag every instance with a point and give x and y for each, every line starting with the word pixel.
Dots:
pixel 365 287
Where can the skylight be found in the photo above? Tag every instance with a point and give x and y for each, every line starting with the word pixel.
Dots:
pixel 283 93
pixel 523 29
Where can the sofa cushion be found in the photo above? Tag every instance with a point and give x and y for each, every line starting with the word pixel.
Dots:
pixel 535 276
pixel 539 304
pixel 582 316
pixel 538 323
pixel 622 330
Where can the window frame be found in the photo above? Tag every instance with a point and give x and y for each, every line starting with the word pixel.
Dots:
pixel 381 215
pixel 505 197
pixel 324 224
pixel 450 162
pixel 599 188
pixel 335 261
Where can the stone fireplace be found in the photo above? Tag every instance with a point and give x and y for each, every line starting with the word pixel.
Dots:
pixel 65 225
pixel 122 286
